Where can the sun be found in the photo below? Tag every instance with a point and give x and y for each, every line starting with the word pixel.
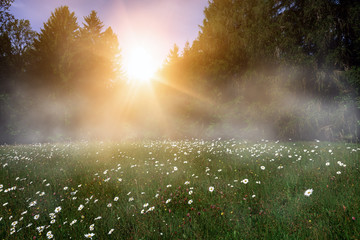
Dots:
pixel 139 65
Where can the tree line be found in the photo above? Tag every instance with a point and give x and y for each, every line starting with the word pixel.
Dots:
pixel 63 64
pixel 259 68
pixel 290 67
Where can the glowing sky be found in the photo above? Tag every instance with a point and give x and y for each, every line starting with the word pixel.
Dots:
pixel 153 24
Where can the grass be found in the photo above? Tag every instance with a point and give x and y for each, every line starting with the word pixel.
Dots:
pixel 160 190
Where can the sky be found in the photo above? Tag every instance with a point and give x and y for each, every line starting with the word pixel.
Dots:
pixel 155 25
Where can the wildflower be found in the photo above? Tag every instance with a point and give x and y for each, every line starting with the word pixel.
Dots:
pixel 14 223
pixel 52 221
pixel 89 235
pixel 308 192
pixel 175 168
pixel 151 209
pixel 80 207
pixel 168 186
pixel 92 227
pixel 131 199
pixel 262 167
pixel 190 192
pixel 116 199
pixel 190 201
pixel 66 188
pixel 187 183
pixel 145 205
pixel 211 189
pixel 58 209
pixel 49 235
pixel 338 172
pixel 327 163
pixel 40 229
pixel 111 231
pixel 73 222
pixel 109 205
pixel 33 203
pixel 167 201
pixel 245 181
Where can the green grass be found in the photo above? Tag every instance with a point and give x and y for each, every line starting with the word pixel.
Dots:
pixel 272 205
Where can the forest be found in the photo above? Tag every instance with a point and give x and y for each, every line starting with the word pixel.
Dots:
pixel 274 69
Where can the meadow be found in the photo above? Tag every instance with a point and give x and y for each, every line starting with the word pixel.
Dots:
pixel 189 189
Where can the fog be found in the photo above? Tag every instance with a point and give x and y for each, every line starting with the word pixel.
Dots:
pixel 162 110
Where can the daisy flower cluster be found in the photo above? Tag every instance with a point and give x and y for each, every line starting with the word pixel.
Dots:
pixel 87 190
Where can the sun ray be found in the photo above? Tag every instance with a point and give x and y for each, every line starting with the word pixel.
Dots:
pixel 184 90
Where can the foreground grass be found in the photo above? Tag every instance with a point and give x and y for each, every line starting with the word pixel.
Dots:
pixel 155 190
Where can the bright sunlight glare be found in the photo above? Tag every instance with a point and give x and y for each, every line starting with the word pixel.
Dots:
pixel 139 65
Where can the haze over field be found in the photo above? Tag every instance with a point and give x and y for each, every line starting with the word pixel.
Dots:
pixel 123 70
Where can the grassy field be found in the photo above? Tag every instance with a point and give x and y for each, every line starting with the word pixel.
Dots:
pixel 180 190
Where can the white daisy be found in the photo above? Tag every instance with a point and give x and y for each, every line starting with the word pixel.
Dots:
pixel 308 192
pixel 245 181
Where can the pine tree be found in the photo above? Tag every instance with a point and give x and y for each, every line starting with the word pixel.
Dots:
pixel 186 50
pixel 99 52
pixel 54 50
pixel 173 55
pixel 92 27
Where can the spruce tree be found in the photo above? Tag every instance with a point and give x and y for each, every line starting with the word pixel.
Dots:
pixel 54 50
